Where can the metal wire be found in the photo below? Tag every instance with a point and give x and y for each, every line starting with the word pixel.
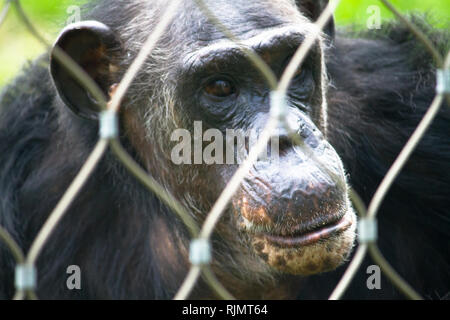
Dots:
pixel 222 202
pixel 4 11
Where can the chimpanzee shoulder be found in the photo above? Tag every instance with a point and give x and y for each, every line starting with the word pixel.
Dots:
pixel 26 123
pixel 42 147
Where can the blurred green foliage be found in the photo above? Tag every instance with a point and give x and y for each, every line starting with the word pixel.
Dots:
pixel 355 11
pixel 49 16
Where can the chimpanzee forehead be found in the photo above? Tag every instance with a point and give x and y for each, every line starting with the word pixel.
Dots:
pixel 240 17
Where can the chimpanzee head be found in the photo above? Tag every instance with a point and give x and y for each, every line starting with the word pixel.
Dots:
pixel 291 213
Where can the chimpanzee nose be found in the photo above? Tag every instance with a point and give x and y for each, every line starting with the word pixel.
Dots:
pixel 296 132
pixel 297 190
pixel 300 192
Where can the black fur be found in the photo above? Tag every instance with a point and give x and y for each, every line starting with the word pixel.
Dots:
pixel 380 89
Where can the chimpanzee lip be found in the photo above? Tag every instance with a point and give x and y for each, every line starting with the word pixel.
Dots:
pixel 307 238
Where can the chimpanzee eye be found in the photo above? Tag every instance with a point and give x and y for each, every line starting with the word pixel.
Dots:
pixel 298 73
pixel 220 88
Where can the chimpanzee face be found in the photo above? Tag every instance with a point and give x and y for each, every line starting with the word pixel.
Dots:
pixel 291 213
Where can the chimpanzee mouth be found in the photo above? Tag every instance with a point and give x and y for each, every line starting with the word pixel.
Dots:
pixel 321 232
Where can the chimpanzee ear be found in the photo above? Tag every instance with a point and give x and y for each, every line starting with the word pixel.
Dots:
pixel 312 9
pixel 94 46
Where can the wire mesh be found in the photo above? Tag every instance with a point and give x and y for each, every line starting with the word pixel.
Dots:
pixel 277 117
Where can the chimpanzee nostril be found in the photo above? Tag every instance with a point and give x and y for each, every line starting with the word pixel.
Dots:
pixel 284 144
pixel 309 135
pixel 304 131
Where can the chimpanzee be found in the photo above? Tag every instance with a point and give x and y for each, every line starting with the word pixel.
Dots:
pixel 354 102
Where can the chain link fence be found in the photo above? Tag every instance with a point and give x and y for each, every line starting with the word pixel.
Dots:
pixel 200 248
